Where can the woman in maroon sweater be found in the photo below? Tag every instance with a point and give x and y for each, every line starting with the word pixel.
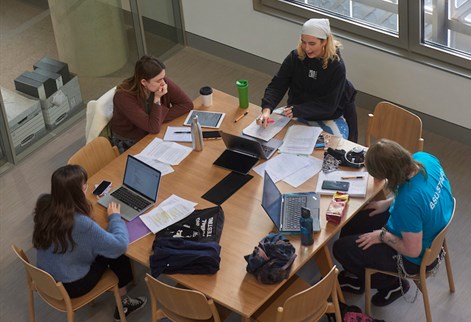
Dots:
pixel 144 101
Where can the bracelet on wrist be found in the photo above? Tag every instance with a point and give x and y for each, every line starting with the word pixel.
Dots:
pixel 382 234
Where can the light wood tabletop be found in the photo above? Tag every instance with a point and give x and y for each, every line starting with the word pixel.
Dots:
pixel 246 223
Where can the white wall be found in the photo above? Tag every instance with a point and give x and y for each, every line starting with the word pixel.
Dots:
pixel 419 87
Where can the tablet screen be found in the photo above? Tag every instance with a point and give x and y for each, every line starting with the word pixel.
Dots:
pixel 205 118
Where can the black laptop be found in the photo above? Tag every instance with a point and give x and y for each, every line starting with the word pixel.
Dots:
pixel 242 153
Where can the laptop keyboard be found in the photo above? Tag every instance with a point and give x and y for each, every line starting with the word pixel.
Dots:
pixel 132 200
pixel 293 206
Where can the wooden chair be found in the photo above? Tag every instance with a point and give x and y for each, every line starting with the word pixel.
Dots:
pixel 54 293
pixel 179 304
pixel 298 301
pixel 392 122
pixel 420 280
pixel 94 155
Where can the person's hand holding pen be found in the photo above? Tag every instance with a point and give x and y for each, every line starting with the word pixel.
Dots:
pixel 264 118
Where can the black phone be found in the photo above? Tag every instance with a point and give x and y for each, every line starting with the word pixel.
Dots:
pixel 101 188
pixel 335 185
pixel 207 135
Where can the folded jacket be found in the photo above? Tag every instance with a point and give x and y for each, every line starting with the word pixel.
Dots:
pixel 178 255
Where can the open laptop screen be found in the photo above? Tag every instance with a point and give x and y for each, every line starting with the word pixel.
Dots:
pixel 141 178
pixel 271 200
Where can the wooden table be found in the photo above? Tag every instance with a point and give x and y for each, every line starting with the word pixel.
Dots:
pixel 246 223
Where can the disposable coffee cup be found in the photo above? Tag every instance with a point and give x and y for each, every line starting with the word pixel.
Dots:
pixel 206 93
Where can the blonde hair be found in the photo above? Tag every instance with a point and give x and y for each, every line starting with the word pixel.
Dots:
pixel 387 159
pixel 330 50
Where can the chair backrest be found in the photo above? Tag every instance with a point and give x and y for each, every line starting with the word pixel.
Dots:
pixel 40 280
pixel 181 304
pixel 94 155
pixel 99 113
pixel 312 303
pixel 431 254
pixel 392 122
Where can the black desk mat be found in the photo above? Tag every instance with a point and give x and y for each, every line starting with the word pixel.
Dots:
pixel 226 187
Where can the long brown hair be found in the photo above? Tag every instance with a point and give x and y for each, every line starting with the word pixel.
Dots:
pixel 387 159
pixel 146 68
pixel 330 50
pixel 54 212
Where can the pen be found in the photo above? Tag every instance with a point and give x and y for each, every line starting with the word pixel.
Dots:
pixel 181 132
pixel 353 177
pixel 270 121
pixel 240 117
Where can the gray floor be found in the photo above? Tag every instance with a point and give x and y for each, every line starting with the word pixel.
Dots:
pixel 192 69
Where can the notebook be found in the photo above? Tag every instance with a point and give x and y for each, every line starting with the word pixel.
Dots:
pixel 285 209
pixel 241 153
pixel 138 191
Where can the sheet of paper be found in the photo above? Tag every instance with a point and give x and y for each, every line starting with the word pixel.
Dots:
pixel 357 185
pixel 178 134
pixel 170 211
pixel 310 170
pixel 164 168
pixel 300 139
pixel 270 131
pixel 282 166
pixel 167 152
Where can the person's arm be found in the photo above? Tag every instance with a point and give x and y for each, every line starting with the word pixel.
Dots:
pixel 324 107
pixel 279 84
pixel 134 111
pixel 176 102
pixel 410 244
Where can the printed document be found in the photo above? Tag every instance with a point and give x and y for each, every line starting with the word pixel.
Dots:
pixel 282 166
pixel 300 139
pixel 358 182
pixel 310 170
pixel 170 211
pixel 270 131
pixel 167 152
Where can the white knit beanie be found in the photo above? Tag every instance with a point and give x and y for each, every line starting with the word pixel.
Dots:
pixel 319 28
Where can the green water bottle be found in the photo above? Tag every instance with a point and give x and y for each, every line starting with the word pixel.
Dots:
pixel 243 89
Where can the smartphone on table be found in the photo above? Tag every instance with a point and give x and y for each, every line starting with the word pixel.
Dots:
pixel 101 188
pixel 335 185
pixel 211 135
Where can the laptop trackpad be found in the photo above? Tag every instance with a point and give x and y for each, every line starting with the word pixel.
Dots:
pixel 237 162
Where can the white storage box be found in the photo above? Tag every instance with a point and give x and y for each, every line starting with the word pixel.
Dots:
pixel 72 90
pixel 56 109
pixel 25 119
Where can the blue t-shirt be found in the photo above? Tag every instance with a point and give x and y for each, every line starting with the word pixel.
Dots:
pixel 423 204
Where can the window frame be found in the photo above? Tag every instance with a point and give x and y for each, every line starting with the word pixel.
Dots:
pixel 407 43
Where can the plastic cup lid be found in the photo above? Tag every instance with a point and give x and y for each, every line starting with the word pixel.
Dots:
pixel 206 90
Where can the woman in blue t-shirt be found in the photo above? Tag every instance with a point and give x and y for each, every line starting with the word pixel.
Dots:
pixel 72 247
pixel 405 224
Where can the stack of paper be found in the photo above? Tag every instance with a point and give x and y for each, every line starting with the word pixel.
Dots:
pixel 265 134
pixel 170 211
pixel 358 182
pixel 300 139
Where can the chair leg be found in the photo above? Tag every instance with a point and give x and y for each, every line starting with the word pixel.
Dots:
pixel 423 288
pixel 367 291
pixel 449 272
pixel 31 305
pixel 119 303
pixel 70 316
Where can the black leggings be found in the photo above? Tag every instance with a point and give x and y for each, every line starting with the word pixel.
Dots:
pixel 121 266
pixel 379 256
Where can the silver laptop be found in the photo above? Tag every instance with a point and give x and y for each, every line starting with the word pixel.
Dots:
pixel 285 209
pixel 138 191
pixel 264 150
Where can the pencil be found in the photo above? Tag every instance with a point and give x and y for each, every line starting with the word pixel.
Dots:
pixel 352 177
pixel 240 117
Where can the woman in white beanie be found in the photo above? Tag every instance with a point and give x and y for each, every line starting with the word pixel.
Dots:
pixel 314 75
